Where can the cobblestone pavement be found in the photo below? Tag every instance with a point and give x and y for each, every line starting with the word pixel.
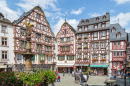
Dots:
pixel 93 81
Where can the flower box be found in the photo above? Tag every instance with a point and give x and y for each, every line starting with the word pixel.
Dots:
pixel 79 47
pixel 85 47
pixel 85 37
pixel 94 60
pixel 79 58
pixel 61 60
pixel 103 59
pixel 79 38
pixel 42 61
pixel 85 58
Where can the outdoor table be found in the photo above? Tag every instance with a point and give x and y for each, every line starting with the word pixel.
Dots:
pixel 110 82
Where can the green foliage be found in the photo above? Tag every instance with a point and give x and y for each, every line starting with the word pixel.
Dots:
pixel 87 71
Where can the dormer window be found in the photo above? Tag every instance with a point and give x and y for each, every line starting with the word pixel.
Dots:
pixel 86 28
pixel 104 17
pixel 0 17
pixel 103 25
pixel 118 35
pixel 82 21
pixel 113 29
pixel 95 26
pixel 79 29
pixel 97 19
pixel 87 21
pixel 64 25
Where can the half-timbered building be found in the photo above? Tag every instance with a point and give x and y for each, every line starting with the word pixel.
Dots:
pixel 6 42
pixel 118 40
pixel 128 52
pixel 92 44
pixel 42 37
pixel 65 47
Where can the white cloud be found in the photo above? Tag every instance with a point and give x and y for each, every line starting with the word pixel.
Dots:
pixel 124 18
pixel 79 11
pixel 45 4
pixel 121 1
pixel 48 14
pixel 11 14
pixel 96 14
pixel 57 26
pixel 112 11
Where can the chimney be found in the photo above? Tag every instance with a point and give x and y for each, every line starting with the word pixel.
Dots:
pixel 107 13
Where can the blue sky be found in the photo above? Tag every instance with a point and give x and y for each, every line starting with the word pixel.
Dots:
pixel 75 10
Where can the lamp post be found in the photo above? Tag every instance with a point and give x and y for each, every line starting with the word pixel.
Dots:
pixel 7 66
pixel 125 63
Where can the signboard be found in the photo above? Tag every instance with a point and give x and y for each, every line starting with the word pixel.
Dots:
pixel 74 66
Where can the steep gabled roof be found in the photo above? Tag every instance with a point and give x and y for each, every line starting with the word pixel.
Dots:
pixel 118 29
pixel 69 26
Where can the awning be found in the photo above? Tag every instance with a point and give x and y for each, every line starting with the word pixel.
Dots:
pixel 81 65
pixel 98 65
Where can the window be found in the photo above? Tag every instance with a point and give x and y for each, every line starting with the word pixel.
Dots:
pixel 61 57
pixel 79 35
pixel 49 48
pixel 114 53
pixel 4 41
pixel 79 56
pixel 0 17
pixel 97 19
pixel 65 31
pixel 113 29
pixel 95 26
pixel 103 33
pixel 4 28
pixel 95 34
pixel 38 15
pixel 85 55
pixel 87 21
pixel 103 25
pixel 68 48
pixel 103 56
pixel 114 63
pixel 70 57
pixel 44 28
pixel 103 45
pixel 86 27
pixel 49 39
pixel 38 25
pixel 80 29
pixel 95 56
pixel 85 45
pixel 118 43
pixel 46 48
pixel 46 39
pixel 118 35
pixel 19 57
pixel 95 45
pixel 22 43
pixel 85 35
pixel 38 36
pixel 68 39
pixel 41 57
pixel 118 63
pixel 121 53
pixel 22 32
pixel 61 39
pixel 64 25
pixel 117 53
pixel 4 54
pixel 39 47
pixel 79 45
pixel 104 17
pixel 31 21
pixel 114 43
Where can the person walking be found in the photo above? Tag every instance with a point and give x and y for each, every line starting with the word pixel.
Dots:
pixel 69 72
pixel 122 74
pixel 63 72
pixel 58 78
pixel 82 78
pixel 75 75
pixel 85 80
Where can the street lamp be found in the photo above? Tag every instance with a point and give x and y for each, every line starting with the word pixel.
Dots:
pixel 7 66
pixel 125 63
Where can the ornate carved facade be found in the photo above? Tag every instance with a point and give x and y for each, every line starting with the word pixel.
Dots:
pixel 66 46
pixel 92 43
pixel 42 37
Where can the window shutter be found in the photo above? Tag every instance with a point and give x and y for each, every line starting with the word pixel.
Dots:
pixel 33 58
pixel 58 57
pixel 67 57
pixel 64 58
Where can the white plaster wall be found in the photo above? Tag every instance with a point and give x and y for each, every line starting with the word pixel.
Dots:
pixel 10 49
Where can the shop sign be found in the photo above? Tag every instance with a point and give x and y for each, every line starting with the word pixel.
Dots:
pixel 74 66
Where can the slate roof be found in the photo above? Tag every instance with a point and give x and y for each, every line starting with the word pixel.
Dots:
pixel 4 20
pixel 93 20
pixel 113 35
pixel 128 37
pixel 27 13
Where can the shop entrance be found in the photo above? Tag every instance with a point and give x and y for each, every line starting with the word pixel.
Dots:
pixel 105 71
pixel 60 69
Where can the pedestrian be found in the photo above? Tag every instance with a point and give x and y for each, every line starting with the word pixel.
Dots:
pixel 58 78
pixel 122 74
pixel 115 76
pixel 77 70
pixel 63 72
pixel 75 75
pixel 85 80
pixel 69 72
pixel 129 76
pixel 82 78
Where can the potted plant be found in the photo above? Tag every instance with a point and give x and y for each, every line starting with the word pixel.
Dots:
pixel 85 47
pixel 94 60
pixel 79 58
pixel 103 59
pixel 79 47
pixel 85 58
pixel 85 37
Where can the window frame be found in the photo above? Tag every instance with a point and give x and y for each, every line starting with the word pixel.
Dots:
pixel 103 44
pixel 95 45
pixel 121 53
pixel 103 56
pixel 4 55
pixel 38 25
pixel 114 43
pixel 95 34
pixel 4 31
pixel 103 33
pixel 114 53
pixel 5 41
pixel 118 54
